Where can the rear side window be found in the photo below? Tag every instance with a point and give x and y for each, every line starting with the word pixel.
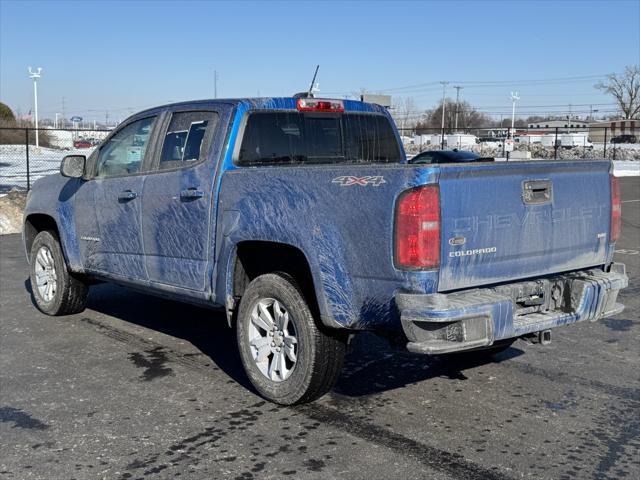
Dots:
pixel 188 138
pixel 296 137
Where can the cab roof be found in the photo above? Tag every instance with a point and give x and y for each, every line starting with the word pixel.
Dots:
pixel 266 103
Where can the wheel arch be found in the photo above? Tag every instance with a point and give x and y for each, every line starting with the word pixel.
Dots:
pixel 33 225
pixel 252 258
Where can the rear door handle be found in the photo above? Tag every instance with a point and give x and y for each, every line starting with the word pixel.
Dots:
pixel 191 194
pixel 127 195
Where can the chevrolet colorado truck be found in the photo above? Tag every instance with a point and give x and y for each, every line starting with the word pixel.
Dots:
pixel 302 219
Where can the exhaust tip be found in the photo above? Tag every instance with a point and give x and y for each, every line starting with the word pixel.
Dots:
pixel 544 337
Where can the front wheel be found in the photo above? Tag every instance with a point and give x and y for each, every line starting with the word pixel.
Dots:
pixel 55 291
pixel 288 359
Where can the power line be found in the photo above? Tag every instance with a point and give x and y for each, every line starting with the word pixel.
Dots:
pixel 492 83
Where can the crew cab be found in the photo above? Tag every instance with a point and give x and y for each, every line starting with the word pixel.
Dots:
pixel 302 219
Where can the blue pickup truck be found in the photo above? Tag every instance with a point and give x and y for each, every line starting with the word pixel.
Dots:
pixel 302 219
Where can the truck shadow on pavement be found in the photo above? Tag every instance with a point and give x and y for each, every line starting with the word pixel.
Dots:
pixel 371 366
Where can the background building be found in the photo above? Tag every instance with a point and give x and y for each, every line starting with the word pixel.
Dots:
pixel 551 125
pixel 613 129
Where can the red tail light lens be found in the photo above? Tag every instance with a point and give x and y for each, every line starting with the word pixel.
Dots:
pixel 417 233
pixel 320 105
pixel 616 210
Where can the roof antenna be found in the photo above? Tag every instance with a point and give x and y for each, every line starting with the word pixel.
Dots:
pixel 310 93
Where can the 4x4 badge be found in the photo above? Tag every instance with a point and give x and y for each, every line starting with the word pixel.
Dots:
pixel 348 181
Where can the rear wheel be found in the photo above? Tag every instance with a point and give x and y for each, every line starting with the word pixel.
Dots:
pixel 288 359
pixel 55 291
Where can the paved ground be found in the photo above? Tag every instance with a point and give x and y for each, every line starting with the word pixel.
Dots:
pixel 138 386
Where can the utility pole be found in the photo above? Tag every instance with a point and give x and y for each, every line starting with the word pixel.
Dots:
pixel 106 119
pixel 55 124
pixel 444 89
pixel 63 112
pixel 457 103
pixel 215 84
pixel 514 98
pixel 35 75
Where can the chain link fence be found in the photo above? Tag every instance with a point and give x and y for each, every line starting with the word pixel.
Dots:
pixel 27 154
pixel 528 143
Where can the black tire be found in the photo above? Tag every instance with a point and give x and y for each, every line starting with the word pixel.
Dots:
pixel 320 354
pixel 70 292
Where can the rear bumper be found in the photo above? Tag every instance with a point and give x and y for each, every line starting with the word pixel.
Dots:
pixel 440 323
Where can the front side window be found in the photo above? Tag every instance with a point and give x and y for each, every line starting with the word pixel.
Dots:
pixel 296 137
pixel 124 152
pixel 187 138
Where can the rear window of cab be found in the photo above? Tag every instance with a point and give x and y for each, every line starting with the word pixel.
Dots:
pixel 285 137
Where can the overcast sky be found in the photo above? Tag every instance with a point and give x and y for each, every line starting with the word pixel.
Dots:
pixel 122 56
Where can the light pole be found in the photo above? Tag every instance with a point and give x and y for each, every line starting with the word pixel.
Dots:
pixel 444 89
pixel 457 103
pixel 35 75
pixel 514 98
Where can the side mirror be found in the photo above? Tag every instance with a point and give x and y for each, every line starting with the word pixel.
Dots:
pixel 73 166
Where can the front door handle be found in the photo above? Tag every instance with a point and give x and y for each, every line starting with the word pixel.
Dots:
pixel 191 194
pixel 127 195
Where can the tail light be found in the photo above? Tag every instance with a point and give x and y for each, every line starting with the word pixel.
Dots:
pixel 616 210
pixel 417 231
pixel 320 105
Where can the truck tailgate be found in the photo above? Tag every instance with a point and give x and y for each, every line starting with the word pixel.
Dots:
pixel 506 221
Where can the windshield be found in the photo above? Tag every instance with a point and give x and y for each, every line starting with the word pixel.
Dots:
pixel 295 137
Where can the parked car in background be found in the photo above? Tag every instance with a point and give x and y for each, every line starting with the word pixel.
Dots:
pixel 624 139
pixel 83 144
pixel 491 142
pixel 448 156
pixel 571 140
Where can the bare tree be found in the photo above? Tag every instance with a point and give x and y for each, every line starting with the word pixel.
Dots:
pixel 404 112
pixel 468 117
pixel 625 88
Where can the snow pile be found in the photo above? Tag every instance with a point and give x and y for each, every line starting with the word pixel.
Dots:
pixel 11 208
pixel 491 149
pixel 626 168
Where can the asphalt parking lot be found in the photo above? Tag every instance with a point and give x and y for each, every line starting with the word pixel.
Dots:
pixel 138 386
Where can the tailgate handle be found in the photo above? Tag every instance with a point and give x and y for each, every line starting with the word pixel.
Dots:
pixel 536 192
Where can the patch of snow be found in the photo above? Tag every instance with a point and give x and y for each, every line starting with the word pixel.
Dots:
pixel 43 161
pixel 628 168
